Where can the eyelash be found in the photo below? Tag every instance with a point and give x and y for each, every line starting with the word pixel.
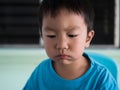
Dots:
pixel 53 36
pixel 72 36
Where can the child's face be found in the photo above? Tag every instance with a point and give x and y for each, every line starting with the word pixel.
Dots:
pixel 65 36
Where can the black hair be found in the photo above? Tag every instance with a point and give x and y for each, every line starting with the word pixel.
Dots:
pixel 83 7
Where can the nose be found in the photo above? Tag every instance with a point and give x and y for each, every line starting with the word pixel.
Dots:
pixel 62 43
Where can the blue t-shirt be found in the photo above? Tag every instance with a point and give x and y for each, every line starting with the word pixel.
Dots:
pixel 97 77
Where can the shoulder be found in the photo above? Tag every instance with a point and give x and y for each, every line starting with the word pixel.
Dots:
pixel 37 76
pixel 44 64
pixel 98 63
pixel 97 67
pixel 40 68
pixel 94 63
pixel 105 79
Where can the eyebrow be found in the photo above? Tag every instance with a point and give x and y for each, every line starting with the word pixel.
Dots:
pixel 68 29
pixel 75 27
pixel 49 29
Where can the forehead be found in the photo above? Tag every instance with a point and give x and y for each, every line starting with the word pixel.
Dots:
pixel 63 19
pixel 54 14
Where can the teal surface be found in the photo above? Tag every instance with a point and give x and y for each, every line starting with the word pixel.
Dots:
pixel 16 64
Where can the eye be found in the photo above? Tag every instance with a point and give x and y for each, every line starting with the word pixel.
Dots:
pixel 71 35
pixel 51 36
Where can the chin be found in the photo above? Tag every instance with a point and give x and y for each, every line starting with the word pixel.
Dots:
pixel 63 61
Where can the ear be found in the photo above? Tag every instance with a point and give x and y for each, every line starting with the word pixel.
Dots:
pixel 89 38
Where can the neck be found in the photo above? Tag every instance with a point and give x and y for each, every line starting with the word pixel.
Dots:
pixel 72 71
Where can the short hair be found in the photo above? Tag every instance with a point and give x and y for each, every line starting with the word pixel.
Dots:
pixel 83 7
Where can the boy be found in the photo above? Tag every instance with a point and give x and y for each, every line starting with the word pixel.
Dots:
pixel 67 29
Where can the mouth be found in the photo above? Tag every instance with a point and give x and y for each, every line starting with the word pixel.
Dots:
pixel 63 56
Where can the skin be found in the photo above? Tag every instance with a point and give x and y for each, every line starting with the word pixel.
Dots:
pixel 65 37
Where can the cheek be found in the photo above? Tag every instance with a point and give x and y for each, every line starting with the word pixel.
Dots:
pixel 47 44
pixel 49 47
pixel 46 41
pixel 78 46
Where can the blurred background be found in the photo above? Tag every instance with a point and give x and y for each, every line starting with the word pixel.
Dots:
pixel 21 47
